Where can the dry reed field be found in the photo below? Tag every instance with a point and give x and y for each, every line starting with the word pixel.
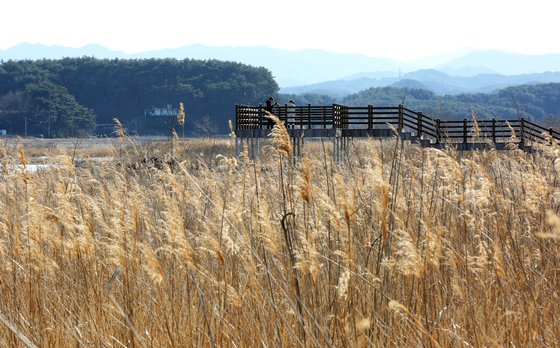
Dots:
pixel 395 246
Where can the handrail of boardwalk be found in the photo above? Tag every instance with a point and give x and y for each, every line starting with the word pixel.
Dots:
pixel 338 116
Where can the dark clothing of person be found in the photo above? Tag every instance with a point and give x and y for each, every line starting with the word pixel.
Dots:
pixel 268 106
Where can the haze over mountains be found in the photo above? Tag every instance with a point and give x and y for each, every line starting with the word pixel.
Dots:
pixel 430 79
pixel 337 74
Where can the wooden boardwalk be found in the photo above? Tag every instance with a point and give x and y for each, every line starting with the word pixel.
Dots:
pixel 343 122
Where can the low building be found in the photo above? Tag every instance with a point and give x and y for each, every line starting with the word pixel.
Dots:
pixel 161 111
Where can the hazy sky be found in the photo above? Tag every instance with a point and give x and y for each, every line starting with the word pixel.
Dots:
pixel 400 29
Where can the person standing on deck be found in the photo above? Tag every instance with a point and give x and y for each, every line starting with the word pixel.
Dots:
pixel 269 105
pixel 291 114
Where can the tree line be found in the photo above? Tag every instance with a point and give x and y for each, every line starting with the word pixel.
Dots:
pixel 71 96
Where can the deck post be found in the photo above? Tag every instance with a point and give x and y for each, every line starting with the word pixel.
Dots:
pixel 342 153
pixel 251 149
pixel 324 117
pixel 465 131
pixel 420 116
pixel 236 117
pixel 339 116
pixel 295 153
pixel 308 116
pixel 401 123
pixel 522 130
pixel 438 131
pixel 370 117
pixel 494 130
pixel 333 116
pixel 343 117
pixel 261 113
pixel 336 116
pixel 336 141
pixel 334 149
pixel 346 118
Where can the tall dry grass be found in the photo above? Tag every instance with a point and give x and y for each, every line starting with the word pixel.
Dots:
pixel 399 246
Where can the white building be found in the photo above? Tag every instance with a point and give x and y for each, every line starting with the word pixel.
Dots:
pixel 165 111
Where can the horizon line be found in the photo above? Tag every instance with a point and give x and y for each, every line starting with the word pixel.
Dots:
pixel 457 53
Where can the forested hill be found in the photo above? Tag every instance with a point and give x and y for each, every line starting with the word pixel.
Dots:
pixel 70 96
pixel 540 102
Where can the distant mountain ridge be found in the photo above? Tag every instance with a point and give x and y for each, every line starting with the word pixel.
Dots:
pixel 39 51
pixel 507 63
pixel 433 80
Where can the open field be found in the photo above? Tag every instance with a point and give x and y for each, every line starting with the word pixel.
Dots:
pixel 36 148
pixel 178 244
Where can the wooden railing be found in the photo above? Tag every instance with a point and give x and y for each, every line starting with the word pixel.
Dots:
pixel 398 117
